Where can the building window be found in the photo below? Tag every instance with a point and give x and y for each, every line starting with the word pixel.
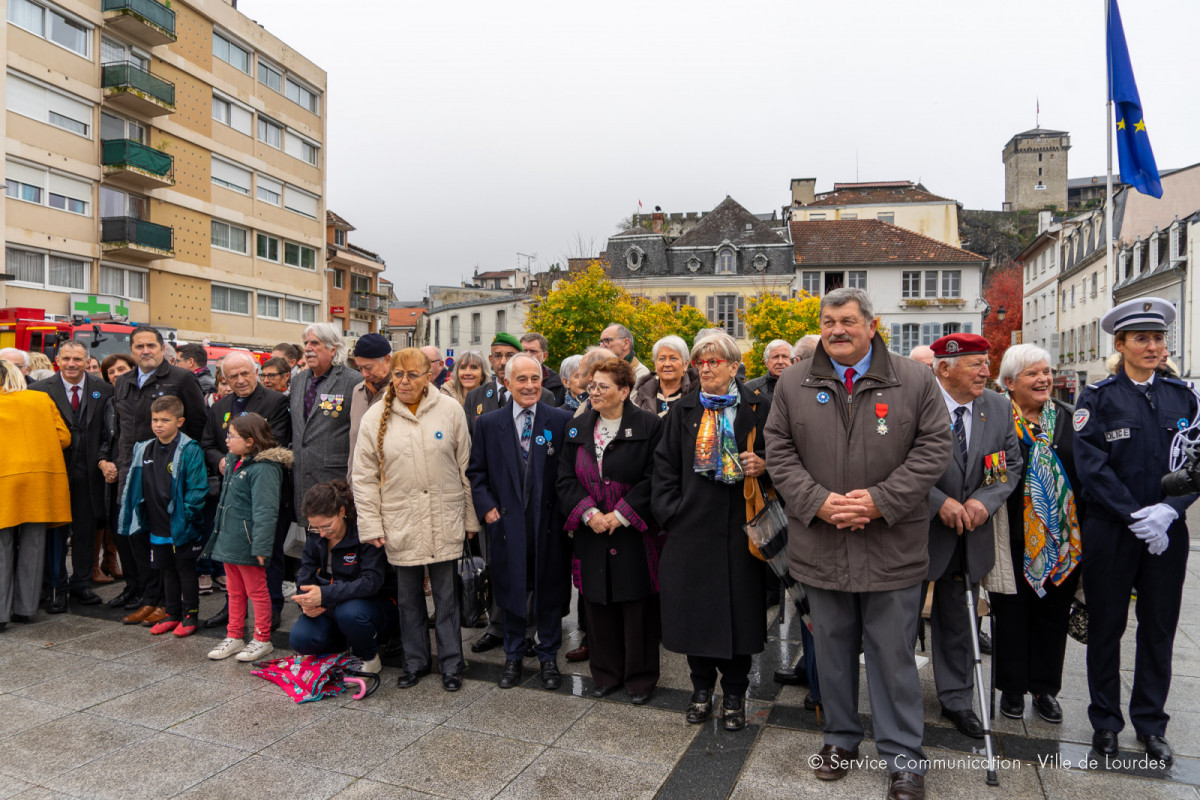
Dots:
pixel 270 190
pixel 299 311
pixel 856 279
pixel 952 327
pixel 360 283
pixel 633 259
pixel 230 237
pixel 23 191
pixel 122 282
pixel 50 24
pixel 476 328
pixel 910 285
pixel 232 54
pixel 454 330
pixel 678 301
pixel 269 76
pixel 339 279
pixel 811 282
pixel 952 283
pixel 501 321
pixel 230 300
pixel 297 255
pixel 114 203
pixel 46 269
pixel 235 115
pixel 905 337
pixel 270 306
pixel 43 104
pixel 270 133
pixel 886 216
pixel 300 201
pixel 760 262
pixel 816 216
pixel 931 283
pixel 723 310
pixel 231 175
pixel 726 262
pixel 303 96
pixel 267 247
pixel 339 238
pixel 437 333
pixel 114 127
pixel 849 215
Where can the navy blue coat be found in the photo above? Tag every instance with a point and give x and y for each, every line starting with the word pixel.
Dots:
pixel 353 570
pixel 495 472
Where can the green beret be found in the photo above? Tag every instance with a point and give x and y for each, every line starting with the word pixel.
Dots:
pixel 508 339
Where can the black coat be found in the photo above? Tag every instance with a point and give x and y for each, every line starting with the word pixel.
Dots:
pixel 713 601
pixel 269 404
pixel 131 407
pixel 87 433
pixel 616 567
pixel 552 383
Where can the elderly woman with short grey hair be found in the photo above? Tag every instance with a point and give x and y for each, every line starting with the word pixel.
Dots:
pixel 1038 554
pixel 670 380
pixel 574 393
pixel 711 587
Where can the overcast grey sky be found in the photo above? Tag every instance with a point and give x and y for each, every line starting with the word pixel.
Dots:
pixel 460 134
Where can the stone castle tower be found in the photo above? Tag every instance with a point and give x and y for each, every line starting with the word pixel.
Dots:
pixel 1035 170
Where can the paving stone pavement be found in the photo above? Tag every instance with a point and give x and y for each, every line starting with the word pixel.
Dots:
pixel 94 709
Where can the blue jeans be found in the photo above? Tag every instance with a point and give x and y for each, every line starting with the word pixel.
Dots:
pixel 361 623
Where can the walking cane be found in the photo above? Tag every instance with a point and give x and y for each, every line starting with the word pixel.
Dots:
pixel 992 780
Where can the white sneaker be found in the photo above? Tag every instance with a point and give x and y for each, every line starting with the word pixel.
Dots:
pixel 226 648
pixel 206 584
pixel 256 650
pixel 373 666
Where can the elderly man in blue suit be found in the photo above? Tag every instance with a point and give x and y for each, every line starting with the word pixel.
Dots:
pixel 514 463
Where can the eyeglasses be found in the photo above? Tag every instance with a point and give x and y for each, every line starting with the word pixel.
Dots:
pixel 319 529
pixel 598 388
pixel 411 377
pixel 711 363
pixel 605 341
pixel 271 375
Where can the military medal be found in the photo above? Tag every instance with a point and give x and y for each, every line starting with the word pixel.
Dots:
pixel 881 426
pixel 989 469
pixel 1003 467
pixel 479 408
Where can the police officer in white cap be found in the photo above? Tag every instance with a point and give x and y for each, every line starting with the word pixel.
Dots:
pixel 1134 537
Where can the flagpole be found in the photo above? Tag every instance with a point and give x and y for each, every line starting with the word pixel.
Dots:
pixel 1108 205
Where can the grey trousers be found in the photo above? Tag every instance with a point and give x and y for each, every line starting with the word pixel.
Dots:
pixel 414 623
pixel 951 629
pixel 884 625
pixel 21 575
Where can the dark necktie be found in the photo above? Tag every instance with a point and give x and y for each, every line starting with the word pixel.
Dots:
pixel 960 432
pixel 526 432
pixel 850 380
pixel 502 396
pixel 75 398
pixel 310 395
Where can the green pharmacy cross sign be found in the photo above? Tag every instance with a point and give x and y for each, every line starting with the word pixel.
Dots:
pixel 93 305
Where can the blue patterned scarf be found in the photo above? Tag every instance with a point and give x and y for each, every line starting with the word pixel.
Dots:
pixel 716 446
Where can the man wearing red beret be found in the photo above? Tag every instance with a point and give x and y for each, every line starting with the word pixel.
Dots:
pixel 984 468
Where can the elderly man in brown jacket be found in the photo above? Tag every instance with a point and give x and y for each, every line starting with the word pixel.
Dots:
pixel 856 439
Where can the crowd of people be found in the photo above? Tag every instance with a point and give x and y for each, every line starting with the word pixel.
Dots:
pixel 901 478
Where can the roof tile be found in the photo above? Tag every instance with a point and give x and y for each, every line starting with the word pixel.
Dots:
pixel 867 241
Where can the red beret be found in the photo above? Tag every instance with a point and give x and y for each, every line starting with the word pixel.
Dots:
pixel 959 344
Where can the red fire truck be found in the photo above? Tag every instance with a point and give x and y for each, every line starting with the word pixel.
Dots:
pixel 30 329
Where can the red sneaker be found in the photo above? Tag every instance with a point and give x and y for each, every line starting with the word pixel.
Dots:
pixel 165 626
pixel 187 627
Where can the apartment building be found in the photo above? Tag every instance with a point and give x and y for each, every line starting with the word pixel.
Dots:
pixel 357 300
pixel 167 158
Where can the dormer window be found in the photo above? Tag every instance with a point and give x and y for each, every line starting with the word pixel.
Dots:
pixel 693 264
pixel 726 261
pixel 760 262
pixel 635 258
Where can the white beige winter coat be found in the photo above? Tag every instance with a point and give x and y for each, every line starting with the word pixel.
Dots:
pixel 420 502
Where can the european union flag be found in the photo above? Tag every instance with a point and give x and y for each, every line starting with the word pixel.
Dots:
pixel 1133 143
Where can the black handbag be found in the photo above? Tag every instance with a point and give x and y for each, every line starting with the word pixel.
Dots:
pixel 1077 622
pixel 474 587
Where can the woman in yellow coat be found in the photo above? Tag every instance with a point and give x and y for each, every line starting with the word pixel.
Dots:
pixel 33 490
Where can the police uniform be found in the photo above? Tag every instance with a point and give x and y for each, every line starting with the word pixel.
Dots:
pixel 1123 435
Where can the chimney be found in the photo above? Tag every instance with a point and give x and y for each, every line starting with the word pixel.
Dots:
pixel 803 191
pixel 656 222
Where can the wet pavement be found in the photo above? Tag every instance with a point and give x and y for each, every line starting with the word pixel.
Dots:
pixel 95 709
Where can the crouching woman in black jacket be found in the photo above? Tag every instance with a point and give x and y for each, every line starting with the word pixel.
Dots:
pixel 342 586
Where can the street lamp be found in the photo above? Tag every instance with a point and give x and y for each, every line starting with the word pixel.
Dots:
pixel 1000 312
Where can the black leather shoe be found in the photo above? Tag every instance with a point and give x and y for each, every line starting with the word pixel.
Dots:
pixel 1156 747
pixel 407 679
pixel 605 691
pixel 511 676
pixel 218 620
pixel 551 677
pixel 640 698
pixel 701 706
pixel 392 649
pixel 1047 708
pixel 733 712
pixel 1012 705
pixel 792 676
pixel 967 723
pixel 985 644
pixel 811 702
pixel 121 599
pixel 85 597
pixel 58 603
pixel 530 652
pixel 20 618
pixel 135 602
pixel 1105 742
pixel 451 682
pixel 485 643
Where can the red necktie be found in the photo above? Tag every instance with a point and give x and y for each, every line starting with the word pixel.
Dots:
pixel 850 381
pixel 75 398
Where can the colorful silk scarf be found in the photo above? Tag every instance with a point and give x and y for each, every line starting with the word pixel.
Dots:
pixel 1051 522
pixel 716 446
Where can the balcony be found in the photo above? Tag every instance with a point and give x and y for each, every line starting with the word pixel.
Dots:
pixel 136 238
pixel 147 22
pixel 135 166
pixel 131 88
pixel 371 302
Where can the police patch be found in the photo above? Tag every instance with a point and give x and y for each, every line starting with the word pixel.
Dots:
pixel 1081 418
pixel 1119 433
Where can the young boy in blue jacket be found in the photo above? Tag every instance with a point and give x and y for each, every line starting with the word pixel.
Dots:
pixel 164 495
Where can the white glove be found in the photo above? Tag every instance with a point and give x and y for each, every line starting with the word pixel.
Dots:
pixel 1152 526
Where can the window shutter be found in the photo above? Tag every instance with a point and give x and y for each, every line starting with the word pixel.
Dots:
pixel 71 187
pixel 711 309
pixel 691 301
pixel 930 332
pixel 966 327
pixel 895 338
pixel 741 322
